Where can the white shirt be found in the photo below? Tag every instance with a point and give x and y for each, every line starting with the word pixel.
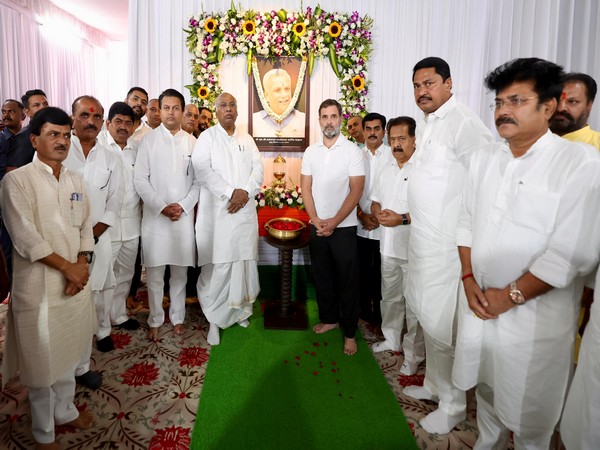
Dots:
pixel 127 226
pixel 264 125
pixel 164 174
pixel 390 191
pixel 374 164
pixel 331 169
pixel 539 213
pixel 446 140
pixel 141 131
pixel 224 163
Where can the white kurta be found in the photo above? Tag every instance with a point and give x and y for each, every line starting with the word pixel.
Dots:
pixel 136 138
pixel 101 171
pixel 446 139
pixel 374 164
pixel 224 163
pixel 390 191
pixel 163 175
pixel 46 331
pixel 537 213
pixel 579 428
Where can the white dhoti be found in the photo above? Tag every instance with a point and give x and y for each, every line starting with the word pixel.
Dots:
pixel 394 275
pixel 227 291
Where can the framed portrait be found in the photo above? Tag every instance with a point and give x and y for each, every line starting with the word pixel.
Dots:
pixel 279 104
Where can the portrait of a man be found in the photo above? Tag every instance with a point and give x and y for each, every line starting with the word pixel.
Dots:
pixel 278 117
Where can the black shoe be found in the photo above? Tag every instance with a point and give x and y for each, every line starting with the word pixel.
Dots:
pixel 105 344
pixel 90 379
pixel 129 324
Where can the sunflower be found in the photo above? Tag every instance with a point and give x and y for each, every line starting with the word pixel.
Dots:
pixel 210 25
pixel 202 92
pixel 358 83
pixel 299 29
pixel 249 27
pixel 335 29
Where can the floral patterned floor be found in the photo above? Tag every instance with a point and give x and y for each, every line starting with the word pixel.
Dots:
pixel 150 393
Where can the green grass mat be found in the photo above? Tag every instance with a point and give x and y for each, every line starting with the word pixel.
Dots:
pixel 271 389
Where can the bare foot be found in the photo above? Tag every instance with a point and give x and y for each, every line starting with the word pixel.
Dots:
pixel 153 334
pixel 51 446
pixel 179 329
pixel 350 347
pixel 84 420
pixel 321 327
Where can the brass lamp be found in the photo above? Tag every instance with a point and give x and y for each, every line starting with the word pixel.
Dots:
pixel 279 169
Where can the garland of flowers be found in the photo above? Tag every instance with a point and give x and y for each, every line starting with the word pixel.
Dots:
pixel 345 39
pixel 261 93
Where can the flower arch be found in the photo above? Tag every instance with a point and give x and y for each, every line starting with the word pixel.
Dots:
pixel 345 39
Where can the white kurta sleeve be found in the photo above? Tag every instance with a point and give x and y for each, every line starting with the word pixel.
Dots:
pixel 18 213
pixel 255 179
pixel 116 192
pixel 464 226
pixel 141 179
pixel 202 161
pixel 189 201
pixel 575 243
pixel 471 136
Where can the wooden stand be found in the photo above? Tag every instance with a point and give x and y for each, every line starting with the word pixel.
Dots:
pixel 285 314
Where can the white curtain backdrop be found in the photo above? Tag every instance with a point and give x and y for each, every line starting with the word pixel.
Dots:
pixel 42 46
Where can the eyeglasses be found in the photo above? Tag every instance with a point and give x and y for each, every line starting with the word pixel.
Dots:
pixel 511 103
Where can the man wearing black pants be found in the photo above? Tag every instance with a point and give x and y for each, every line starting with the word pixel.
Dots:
pixel 333 177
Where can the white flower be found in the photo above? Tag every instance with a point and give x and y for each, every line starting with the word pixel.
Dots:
pixel 233 21
pixel 282 196
pixel 262 203
pixel 294 194
pixel 290 201
pixel 300 201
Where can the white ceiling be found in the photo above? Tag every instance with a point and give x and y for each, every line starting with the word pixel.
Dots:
pixel 108 16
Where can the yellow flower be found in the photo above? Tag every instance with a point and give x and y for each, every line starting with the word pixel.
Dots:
pixel 299 29
pixel 203 92
pixel 249 27
pixel 358 83
pixel 210 25
pixel 335 29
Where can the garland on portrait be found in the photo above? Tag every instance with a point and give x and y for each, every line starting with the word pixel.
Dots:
pixel 345 39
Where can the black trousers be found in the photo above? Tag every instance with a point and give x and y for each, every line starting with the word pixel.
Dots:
pixel 334 261
pixel 370 280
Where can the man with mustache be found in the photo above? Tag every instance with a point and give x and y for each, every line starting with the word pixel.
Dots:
pixel 277 85
pixel 153 113
pixel 528 234
pixel 191 119
pixel 332 180
pixel 101 171
pixel 574 108
pixel 164 179
pixel 206 117
pixel 125 232
pixel 137 98
pixel 20 151
pixel 51 315
pixel 390 207
pixel 377 155
pixel 230 171
pixel 447 136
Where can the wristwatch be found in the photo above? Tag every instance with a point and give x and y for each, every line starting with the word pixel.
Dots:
pixel 88 256
pixel 515 294
pixel 405 220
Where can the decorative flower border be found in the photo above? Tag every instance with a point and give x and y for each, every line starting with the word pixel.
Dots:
pixel 345 39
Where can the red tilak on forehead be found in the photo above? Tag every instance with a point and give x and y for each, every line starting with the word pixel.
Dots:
pixel 92 109
pixel 563 95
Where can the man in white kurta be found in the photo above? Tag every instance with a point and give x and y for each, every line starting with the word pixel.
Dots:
pixel 390 207
pixel 50 318
pixel 528 233
pixel 377 155
pixel 230 171
pixel 125 232
pixel 164 179
pixel 579 424
pixel 447 136
pixel 101 170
